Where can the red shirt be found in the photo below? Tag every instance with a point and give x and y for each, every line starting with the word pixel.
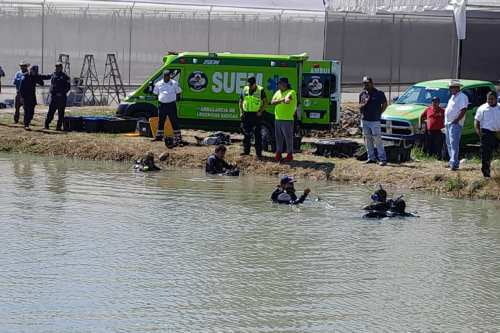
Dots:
pixel 435 118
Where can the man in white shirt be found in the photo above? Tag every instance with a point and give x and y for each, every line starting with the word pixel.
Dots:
pixel 169 93
pixel 487 124
pixel 454 118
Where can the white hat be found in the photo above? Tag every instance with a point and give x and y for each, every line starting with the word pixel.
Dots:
pixel 454 83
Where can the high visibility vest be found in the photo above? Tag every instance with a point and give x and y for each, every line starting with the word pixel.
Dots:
pixel 252 103
pixel 284 111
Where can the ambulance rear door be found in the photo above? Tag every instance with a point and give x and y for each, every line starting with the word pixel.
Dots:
pixel 320 93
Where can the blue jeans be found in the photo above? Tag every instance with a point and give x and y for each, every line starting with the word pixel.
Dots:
pixel 373 138
pixel 453 134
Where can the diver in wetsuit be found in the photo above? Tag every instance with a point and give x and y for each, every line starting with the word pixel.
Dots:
pixel 285 192
pixel 381 207
pixel 147 163
pixel 217 166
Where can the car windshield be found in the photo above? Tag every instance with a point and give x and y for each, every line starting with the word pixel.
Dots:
pixel 423 95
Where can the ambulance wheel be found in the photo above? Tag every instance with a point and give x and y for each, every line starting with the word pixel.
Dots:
pixel 137 110
pixel 268 138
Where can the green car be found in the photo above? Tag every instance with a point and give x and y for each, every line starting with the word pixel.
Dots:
pixel 401 120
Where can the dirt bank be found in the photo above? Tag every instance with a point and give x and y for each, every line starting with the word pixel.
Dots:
pixel 430 176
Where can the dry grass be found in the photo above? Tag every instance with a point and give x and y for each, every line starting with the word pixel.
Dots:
pixel 426 175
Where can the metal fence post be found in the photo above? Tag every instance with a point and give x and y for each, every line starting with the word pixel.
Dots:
pixel 43 33
pixel 400 51
pixel 208 28
pixel 391 58
pixel 130 43
pixel 325 34
pixel 279 32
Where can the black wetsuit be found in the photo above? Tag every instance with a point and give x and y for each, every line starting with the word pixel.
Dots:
pixel 145 165
pixel 287 197
pixel 390 208
pixel 217 166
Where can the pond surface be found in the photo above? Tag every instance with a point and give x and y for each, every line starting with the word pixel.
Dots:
pixel 96 247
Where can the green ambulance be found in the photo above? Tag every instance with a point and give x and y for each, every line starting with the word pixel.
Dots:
pixel 211 85
pixel 401 120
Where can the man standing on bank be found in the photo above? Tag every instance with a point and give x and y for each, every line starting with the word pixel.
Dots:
pixel 59 87
pixel 169 93
pixel 27 90
pixel 285 101
pixel 252 107
pixel 433 118
pixel 487 125
pixel 454 119
pixel 23 69
pixel 372 103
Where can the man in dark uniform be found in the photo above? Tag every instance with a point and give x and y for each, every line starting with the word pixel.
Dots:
pixel 27 90
pixel 59 87
pixel 252 106
pixel 17 83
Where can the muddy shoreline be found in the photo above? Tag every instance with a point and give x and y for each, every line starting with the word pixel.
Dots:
pixel 428 176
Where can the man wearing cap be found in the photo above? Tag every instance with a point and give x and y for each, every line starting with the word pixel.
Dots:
pixel 285 101
pixel 59 87
pixel 454 119
pixel 285 192
pixel 487 125
pixel 372 103
pixel 17 83
pixel 169 93
pixel 252 107
pixel 433 118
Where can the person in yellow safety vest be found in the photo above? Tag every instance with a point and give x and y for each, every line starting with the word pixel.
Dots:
pixel 253 104
pixel 285 101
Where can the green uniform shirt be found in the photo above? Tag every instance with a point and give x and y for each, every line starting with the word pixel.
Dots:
pixel 252 102
pixel 285 111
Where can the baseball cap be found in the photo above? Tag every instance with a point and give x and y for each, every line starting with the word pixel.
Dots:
pixel 23 63
pixel 367 79
pixel 283 80
pixel 435 99
pixel 287 180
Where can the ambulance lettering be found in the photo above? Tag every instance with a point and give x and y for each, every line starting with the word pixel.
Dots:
pixel 231 82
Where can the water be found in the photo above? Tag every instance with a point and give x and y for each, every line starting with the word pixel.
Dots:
pixel 96 247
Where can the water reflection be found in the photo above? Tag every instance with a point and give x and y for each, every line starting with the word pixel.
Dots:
pixel 102 248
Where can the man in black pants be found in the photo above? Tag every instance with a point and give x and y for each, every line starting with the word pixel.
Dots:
pixel 487 125
pixel 59 87
pixel 17 83
pixel 169 93
pixel 27 91
pixel 252 106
